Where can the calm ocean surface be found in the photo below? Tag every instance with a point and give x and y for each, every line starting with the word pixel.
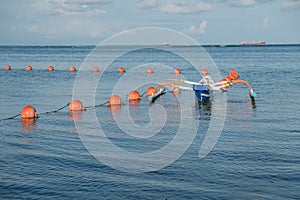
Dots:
pixel 256 157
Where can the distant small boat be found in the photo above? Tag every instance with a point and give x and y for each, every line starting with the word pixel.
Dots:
pixel 165 44
pixel 260 43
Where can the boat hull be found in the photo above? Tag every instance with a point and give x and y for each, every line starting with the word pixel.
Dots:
pixel 202 93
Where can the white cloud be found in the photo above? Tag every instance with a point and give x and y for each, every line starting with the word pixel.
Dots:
pixel 77 28
pixel 241 2
pixel 37 29
pixel 96 33
pixel 186 8
pixel 142 4
pixel 265 23
pixel 290 4
pixel 201 28
pixel 77 6
pixel 33 28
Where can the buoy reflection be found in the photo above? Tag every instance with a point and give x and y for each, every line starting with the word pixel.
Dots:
pixel 28 124
pixel 75 115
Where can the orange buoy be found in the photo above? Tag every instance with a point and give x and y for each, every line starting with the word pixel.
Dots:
pixel 121 69
pixel 7 67
pixel 76 105
pixel 96 69
pixel 177 71
pixel 28 68
pixel 29 112
pixel 233 72
pixel 50 68
pixel 134 95
pixel 149 71
pixel 233 75
pixel 72 69
pixel 114 100
pixel 204 72
pixel 150 91
pixel 227 78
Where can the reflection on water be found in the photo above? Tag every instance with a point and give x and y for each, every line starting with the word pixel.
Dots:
pixel 114 108
pixel 114 111
pixel 75 115
pixel 134 102
pixel 134 112
pixel 205 111
pixel 28 125
pixel 242 111
pixel 202 110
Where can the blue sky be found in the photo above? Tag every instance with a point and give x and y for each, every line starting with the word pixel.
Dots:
pixel 79 22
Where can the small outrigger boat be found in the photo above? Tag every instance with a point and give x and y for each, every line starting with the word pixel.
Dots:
pixel 203 91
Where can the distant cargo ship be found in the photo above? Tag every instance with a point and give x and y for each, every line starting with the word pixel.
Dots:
pixel 260 43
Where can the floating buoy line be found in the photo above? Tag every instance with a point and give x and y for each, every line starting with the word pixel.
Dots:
pixel 134 97
pixel 29 112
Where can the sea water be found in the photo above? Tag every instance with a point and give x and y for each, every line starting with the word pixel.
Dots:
pixel 255 157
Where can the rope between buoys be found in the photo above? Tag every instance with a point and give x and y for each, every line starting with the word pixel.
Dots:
pixel 10 117
pixel 56 109
pixel 95 106
pixel 143 94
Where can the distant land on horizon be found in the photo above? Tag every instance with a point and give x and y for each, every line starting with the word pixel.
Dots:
pixel 204 45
